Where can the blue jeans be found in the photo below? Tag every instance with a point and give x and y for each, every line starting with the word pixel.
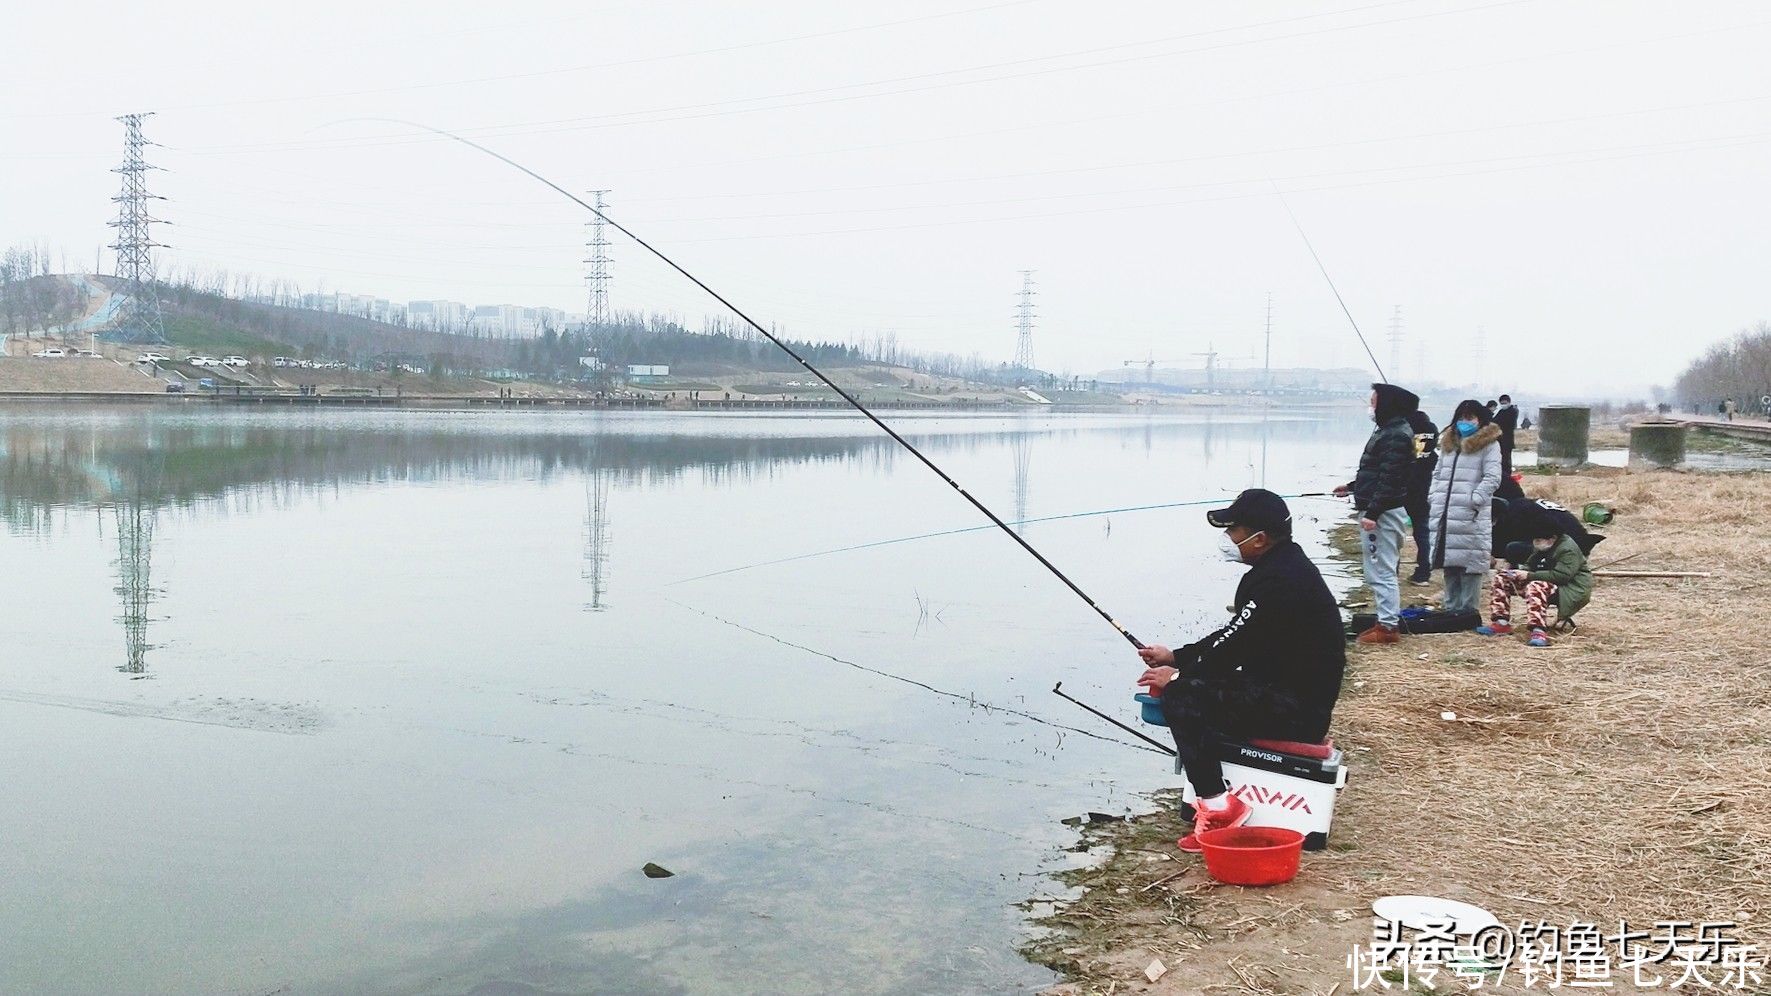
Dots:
pixel 1383 556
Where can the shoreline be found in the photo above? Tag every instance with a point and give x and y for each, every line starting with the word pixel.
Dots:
pixel 1624 773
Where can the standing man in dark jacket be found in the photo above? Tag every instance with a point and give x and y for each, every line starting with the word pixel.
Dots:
pixel 1507 417
pixel 1272 672
pixel 1380 492
pixel 1420 481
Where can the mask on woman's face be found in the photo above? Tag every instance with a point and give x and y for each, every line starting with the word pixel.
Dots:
pixel 1467 429
pixel 1543 545
pixel 1232 550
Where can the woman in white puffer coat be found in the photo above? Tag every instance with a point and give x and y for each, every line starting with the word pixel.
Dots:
pixel 1462 516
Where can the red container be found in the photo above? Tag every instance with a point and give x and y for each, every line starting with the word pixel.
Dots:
pixel 1252 855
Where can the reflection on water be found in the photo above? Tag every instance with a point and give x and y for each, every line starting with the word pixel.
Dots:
pixel 596 537
pixel 1022 447
pixel 135 548
pixel 405 735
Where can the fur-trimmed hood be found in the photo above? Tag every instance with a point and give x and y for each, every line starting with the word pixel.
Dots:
pixel 1449 440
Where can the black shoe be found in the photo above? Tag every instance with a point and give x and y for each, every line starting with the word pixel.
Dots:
pixel 1422 576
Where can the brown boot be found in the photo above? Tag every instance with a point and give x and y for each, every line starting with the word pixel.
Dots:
pixel 1378 634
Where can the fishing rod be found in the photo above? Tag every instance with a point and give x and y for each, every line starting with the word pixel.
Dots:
pixel 802 361
pixel 1337 292
pixel 1057 690
pixel 969 699
pixel 963 529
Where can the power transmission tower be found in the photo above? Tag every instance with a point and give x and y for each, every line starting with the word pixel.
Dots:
pixel 1024 323
pixel 139 320
pixel 1395 370
pixel 597 309
pixel 1267 360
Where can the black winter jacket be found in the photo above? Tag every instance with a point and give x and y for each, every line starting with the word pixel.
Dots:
pixel 1285 635
pixel 1508 420
pixel 1515 521
pixel 1426 457
pixel 1382 482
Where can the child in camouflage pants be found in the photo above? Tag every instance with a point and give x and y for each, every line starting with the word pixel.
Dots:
pixel 1539 596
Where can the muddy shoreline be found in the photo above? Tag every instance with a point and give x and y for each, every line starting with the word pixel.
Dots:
pixel 1639 745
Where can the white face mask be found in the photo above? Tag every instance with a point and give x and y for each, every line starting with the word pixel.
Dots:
pixel 1231 549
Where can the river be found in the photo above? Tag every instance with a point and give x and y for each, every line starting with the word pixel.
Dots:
pixel 403 702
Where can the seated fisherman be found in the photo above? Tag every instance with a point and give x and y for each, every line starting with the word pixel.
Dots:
pixel 1556 571
pixel 1272 672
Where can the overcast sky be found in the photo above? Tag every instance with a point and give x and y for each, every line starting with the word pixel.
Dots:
pixel 1584 179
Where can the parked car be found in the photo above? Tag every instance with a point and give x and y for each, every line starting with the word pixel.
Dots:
pixel 52 353
pixel 174 388
pixel 283 361
pixel 89 354
pixel 235 361
pixel 203 361
pixel 152 358
pixel 207 383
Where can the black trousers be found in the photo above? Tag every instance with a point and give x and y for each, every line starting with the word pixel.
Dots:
pixel 1420 514
pixel 1200 713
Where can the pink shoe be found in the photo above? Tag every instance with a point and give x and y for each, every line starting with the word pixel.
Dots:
pixel 1234 814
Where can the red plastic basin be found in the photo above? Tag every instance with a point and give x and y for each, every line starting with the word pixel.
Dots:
pixel 1252 855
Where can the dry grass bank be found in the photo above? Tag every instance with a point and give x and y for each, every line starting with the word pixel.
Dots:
pixel 1625 773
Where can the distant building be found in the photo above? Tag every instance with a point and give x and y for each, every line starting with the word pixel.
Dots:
pixel 643 371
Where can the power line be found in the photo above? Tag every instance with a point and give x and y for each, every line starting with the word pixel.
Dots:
pixel 714 108
pixel 139 319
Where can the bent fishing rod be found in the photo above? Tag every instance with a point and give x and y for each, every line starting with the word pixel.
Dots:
pixel 802 361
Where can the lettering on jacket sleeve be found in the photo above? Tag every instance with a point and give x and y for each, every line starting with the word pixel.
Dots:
pixel 1236 625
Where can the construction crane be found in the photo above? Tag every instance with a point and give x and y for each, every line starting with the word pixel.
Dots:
pixel 1149 365
pixel 1211 366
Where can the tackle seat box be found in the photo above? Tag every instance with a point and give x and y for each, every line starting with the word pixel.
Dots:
pixel 1285 784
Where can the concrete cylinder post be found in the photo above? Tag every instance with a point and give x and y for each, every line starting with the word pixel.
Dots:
pixel 1562 435
pixel 1657 446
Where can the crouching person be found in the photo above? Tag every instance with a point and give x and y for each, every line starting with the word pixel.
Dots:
pixel 1556 573
pixel 1272 672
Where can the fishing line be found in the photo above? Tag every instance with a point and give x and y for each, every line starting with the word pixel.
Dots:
pixel 802 361
pixel 964 529
pixel 1337 292
pixel 971 700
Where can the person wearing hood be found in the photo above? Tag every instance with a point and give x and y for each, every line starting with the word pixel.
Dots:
pixel 1273 671
pixel 1420 482
pixel 1380 492
pixel 1462 514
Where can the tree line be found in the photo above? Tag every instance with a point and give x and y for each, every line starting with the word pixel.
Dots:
pixel 1737 368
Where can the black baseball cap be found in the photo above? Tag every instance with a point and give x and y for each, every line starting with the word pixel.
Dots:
pixel 1257 509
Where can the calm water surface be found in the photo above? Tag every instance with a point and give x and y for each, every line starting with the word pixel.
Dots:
pixel 401 703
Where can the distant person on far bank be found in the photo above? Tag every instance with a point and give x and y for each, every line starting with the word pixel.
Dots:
pixel 1380 493
pixel 1420 481
pixel 1728 409
pixel 1507 418
pixel 1464 483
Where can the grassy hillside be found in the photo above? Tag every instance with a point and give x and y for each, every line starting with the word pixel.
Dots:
pixel 205 334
